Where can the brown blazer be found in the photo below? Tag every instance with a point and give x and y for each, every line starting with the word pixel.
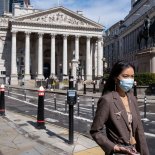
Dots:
pixel 112 114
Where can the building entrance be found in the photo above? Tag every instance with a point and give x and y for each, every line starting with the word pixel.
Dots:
pixel 46 70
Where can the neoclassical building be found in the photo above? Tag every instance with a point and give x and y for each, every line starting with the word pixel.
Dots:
pixel 121 40
pixel 39 44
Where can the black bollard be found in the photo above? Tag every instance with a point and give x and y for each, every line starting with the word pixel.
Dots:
pixel 40 116
pixel 94 86
pixel 8 90
pixel 71 83
pixel 104 82
pixel 71 115
pixel 71 100
pixel 25 94
pixel 2 100
pixel 93 111
pixel 84 87
pixel 65 104
pixel 145 106
pixel 55 102
pixel 71 124
pixel 78 105
pixel 135 89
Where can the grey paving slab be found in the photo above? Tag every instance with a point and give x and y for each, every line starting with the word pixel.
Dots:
pixel 20 137
pixel 86 142
pixel 78 148
pixel 13 142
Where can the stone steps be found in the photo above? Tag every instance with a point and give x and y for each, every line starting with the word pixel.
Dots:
pixel 30 83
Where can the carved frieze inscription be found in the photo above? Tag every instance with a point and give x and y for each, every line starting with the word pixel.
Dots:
pixel 59 18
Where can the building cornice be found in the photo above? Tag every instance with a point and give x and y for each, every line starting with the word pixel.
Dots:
pixel 54 26
pixel 145 52
pixel 137 22
pixel 133 10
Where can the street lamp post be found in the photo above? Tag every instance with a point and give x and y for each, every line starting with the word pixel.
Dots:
pixel 104 61
pixel 105 66
pixel 93 74
pixel 60 67
pixel 79 71
pixel 70 69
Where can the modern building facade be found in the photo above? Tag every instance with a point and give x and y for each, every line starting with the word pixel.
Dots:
pixel 21 2
pixel 128 39
pixel 4 6
pixel 52 42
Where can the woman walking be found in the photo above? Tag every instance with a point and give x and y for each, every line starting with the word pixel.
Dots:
pixel 118 114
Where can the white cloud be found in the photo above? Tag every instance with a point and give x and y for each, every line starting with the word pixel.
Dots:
pixel 105 11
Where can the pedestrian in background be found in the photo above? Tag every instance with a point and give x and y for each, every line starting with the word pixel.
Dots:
pixel 47 82
pixel 52 81
pixel 118 114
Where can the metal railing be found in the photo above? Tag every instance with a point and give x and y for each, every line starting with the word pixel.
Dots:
pixel 85 106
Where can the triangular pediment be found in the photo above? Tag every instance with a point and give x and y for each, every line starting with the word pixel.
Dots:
pixel 59 16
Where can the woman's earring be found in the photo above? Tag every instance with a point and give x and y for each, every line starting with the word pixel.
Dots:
pixel 115 86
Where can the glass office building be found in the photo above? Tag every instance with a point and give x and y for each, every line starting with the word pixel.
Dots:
pixel 4 6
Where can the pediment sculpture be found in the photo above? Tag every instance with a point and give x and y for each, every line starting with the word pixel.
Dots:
pixel 3 21
pixel 59 18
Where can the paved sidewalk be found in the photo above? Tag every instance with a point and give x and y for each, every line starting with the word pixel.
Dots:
pixel 20 137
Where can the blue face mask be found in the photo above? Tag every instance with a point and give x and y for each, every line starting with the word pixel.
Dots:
pixel 126 84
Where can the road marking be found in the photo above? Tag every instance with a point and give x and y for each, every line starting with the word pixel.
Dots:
pixel 51 120
pixel 148 113
pixel 145 119
pixel 150 134
pixel 142 105
pixel 54 111
pixel 85 109
pixel 23 95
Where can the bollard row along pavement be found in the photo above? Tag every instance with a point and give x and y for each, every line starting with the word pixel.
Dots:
pixel 2 100
pixel 21 134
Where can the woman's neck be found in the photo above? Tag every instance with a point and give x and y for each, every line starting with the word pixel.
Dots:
pixel 121 92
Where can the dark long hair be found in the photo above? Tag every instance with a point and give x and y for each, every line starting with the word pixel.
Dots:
pixel 115 72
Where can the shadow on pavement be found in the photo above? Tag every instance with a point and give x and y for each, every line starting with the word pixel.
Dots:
pixel 50 133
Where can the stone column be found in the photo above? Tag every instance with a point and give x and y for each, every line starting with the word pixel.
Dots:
pixel 77 48
pixel 88 60
pixel 99 57
pixel 74 69
pixel 153 61
pixel 93 59
pixel 96 53
pixel 65 55
pixel 40 56
pixel 27 56
pixel 53 55
pixel 14 77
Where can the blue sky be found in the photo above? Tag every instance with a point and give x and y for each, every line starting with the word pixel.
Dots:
pixel 106 12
